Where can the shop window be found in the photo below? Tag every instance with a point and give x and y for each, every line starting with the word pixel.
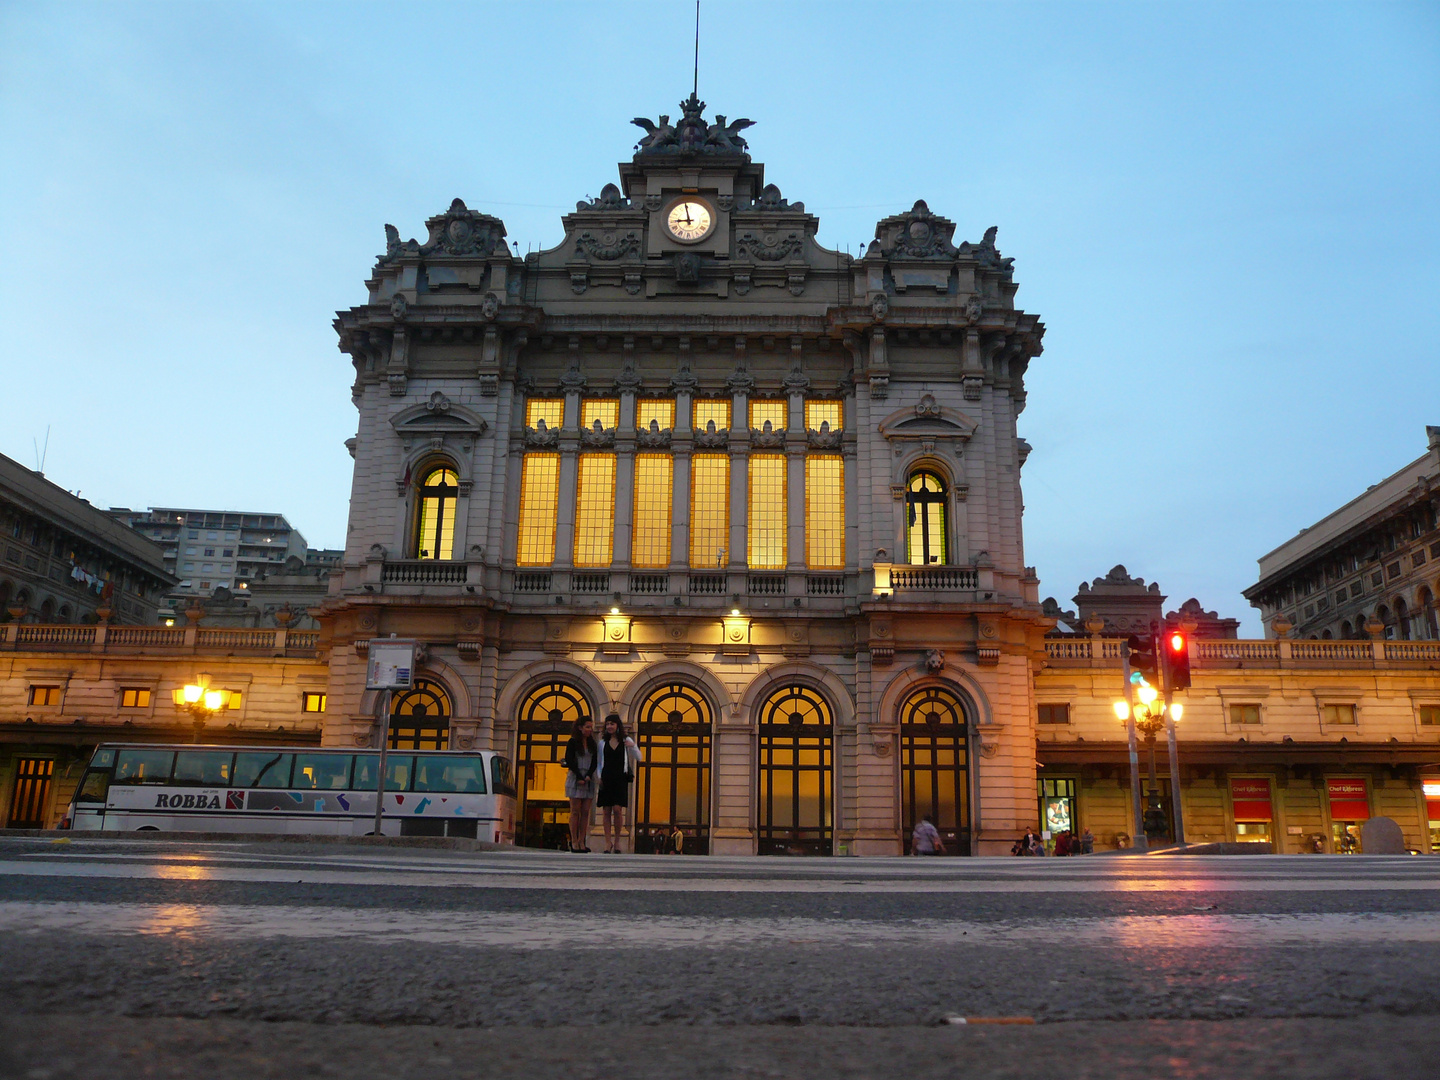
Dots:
pixel 314 703
pixel 925 519
pixel 1244 714
pixel 595 510
pixel 1054 713
pixel 1057 806
pixel 134 697
pixel 710 508
pixel 1337 714
pixel 765 535
pixel 435 515
pixel 539 502
pixel 825 512
pixel 654 497
pixel 44 695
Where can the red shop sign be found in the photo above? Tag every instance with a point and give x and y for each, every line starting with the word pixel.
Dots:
pixel 1250 798
pixel 1348 799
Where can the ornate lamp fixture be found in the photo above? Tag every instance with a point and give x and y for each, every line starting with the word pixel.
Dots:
pixel 201 701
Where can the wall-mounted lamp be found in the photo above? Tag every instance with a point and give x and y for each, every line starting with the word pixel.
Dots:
pixel 617 633
pixel 736 634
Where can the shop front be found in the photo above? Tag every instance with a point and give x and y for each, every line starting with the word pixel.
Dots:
pixel 1252 809
pixel 1349 799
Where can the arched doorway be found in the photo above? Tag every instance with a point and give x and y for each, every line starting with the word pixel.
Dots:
pixel 935 767
pixel 420 718
pixel 548 714
pixel 672 730
pixel 796 779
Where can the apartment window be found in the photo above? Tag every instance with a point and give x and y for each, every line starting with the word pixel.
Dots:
pixel 657 411
pixel 212 536
pixel 193 534
pixel 191 551
pixel 709 411
pixel 209 553
pixel 539 503
pixel 825 512
pixel 134 697
pixel 1053 713
pixel 1309 611
pixel 435 514
pixel 1340 597
pixel 189 566
pixel 1393 570
pixel 818 413
pixel 1430 715
pixel 710 507
pixel 765 535
pixel 1337 714
pixel 228 553
pixel 1322 604
pixel 314 702
pixel 207 568
pixel 605 411
pixel 595 510
pixel 1377 578
pixel 550 410
pixel 773 413
pixel 44 695
pixel 925 519
pixel 1357 588
pixel 1244 714
pixel 654 481
pixel 204 584
pixel 1418 558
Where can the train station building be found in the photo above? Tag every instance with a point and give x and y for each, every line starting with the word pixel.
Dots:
pixel 763 500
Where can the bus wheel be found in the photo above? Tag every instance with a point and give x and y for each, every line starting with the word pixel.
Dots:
pixel 147 828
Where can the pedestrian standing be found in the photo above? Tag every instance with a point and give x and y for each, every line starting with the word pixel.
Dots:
pixel 925 839
pixel 617 760
pixel 580 761
pixel 1087 842
pixel 1062 844
pixel 677 841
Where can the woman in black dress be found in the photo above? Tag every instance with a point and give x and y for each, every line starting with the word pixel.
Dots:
pixel 617 759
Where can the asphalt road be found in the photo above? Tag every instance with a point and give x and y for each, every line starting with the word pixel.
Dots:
pixel 131 958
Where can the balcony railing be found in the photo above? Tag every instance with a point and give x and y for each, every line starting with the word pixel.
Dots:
pixel 765 584
pixel 707 584
pixel 650 584
pixel 590 583
pixel 102 637
pixel 424 572
pixel 1274 652
pixel 934 579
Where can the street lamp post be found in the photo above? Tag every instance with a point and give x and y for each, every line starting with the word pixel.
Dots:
pixel 1147 715
pixel 201 701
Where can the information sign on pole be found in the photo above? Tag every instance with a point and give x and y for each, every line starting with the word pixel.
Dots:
pixel 392 665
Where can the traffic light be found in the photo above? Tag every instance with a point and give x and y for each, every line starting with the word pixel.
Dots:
pixel 1143 660
pixel 1177 660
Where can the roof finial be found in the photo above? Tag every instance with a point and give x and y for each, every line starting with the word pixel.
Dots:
pixel 695 90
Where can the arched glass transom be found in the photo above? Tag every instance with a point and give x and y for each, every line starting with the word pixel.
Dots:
pixel 796 781
pixel 925 519
pixel 547 716
pixel 420 718
pixel 435 514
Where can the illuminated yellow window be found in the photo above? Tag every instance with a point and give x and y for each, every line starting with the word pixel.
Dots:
pixel 775 412
pixel 539 504
pixel 711 409
pixel 44 695
pixel 314 703
pixel 551 410
pixel 134 698
pixel 435 515
pixel 606 410
pixel 824 412
pixel 766 530
pixel 709 510
pixel 825 512
pixel 660 410
pixel 236 699
pixel 654 483
pixel 925 519
pixel 595 510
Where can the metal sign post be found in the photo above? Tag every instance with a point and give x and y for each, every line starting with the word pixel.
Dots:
pixel 391 667
pixel 1139 839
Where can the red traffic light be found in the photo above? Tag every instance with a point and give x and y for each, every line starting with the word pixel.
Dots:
pixel 1177 642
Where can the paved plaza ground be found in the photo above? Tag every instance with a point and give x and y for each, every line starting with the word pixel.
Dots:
pixel 123 958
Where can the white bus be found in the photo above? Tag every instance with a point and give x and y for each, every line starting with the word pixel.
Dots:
pixel 284 789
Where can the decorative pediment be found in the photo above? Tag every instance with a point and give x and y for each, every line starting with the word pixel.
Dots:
pixel 438 416
pixel 927 420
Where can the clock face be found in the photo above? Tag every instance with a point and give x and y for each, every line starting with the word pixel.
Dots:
pixel 689 221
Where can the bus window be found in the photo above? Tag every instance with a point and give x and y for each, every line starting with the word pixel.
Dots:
pixel 95 786
pixel 208 767
pixel 104 758
pixel 325 772
pixel 398 768
pixel 501 780
pixel 465 775
pixel 265 769
pixel 143 766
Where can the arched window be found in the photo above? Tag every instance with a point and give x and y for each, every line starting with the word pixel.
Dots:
pixel 672 728
pixel 934 767
pixel 1427 622
pixel 925 519
pixel 420 718
pixel 796 781
pixel 548 715
pixel 435 514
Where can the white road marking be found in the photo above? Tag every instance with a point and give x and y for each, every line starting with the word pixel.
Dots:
pixel 550 931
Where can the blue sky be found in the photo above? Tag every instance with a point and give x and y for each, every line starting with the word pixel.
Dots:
pixel 1226 214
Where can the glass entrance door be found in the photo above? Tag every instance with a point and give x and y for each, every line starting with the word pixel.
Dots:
pixel 796 778
pixel 547 718
pixel 672 730
pixel 934 774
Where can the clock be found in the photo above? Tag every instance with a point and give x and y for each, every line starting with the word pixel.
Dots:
pixel 689 220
